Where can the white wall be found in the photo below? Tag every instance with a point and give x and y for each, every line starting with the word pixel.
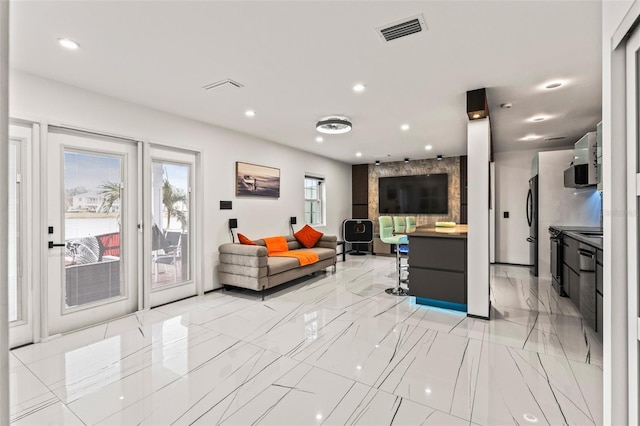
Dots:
pixel 513 171
pixel 478 205
pixel 561 206
pixel 39 99
pixel 557 205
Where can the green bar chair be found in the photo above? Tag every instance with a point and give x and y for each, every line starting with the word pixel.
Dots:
pixel 387 237
pixel 411 225
pixel 399 225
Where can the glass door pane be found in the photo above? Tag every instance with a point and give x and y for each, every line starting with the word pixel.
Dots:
pixel 170 204
pixel 92 199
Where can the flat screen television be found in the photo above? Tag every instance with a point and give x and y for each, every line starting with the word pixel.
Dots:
pixel 422 194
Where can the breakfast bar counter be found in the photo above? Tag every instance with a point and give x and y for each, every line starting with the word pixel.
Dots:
pixel 438 266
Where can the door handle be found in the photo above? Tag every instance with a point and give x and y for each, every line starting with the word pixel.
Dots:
pixel 52 245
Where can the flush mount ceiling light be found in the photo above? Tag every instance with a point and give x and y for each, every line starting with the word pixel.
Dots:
pixel 359 88
pixel 334 125
pixel 68 44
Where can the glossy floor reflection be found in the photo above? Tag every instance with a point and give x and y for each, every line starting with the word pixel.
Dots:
pixel 331 349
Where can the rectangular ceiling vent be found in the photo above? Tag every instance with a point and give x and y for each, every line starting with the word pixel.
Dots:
pixel 224 84
pixel 412 25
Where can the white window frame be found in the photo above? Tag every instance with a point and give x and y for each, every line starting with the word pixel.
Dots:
pixel 320 199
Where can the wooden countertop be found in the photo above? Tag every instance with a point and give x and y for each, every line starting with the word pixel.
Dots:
pixel 458 231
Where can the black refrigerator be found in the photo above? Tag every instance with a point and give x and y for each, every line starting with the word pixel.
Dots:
pixel 532 220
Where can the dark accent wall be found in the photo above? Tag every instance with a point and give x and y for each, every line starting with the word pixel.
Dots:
pixel 463 189
pixel 360 191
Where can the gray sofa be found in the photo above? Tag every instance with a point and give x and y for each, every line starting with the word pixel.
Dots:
pixel 248 266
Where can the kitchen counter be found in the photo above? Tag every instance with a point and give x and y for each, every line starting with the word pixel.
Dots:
pixel 578 234
pixel 458 231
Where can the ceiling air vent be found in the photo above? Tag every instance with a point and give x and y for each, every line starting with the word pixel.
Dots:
pixel 224 84
pixel 555 138
pixel 403 28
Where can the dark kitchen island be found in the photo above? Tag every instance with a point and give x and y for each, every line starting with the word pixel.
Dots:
pixel 438 266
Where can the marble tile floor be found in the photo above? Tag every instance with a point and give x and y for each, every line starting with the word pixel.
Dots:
pixel 332 349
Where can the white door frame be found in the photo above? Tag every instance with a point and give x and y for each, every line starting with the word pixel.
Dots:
pixel 28 329
pixel 620 154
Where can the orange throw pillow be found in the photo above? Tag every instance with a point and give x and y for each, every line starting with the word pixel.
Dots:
pixel 276 245
pixel 308 236
pixel 245 240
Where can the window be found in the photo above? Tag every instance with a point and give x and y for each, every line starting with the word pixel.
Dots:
pixel 314 198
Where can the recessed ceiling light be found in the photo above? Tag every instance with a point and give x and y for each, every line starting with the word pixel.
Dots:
pixel 538 118
pixel 549 85
pixel 530 418
pixel 359 88
pixel 404 127
pixel 506 105
pixel 319 139
pixel 250 113
pixel 530 138
pixel 428 147
pixel 68 44
pixel 358 154
pixel 318 416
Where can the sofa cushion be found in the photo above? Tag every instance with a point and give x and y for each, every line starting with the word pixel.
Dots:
pixel 323 253
pixel 308 236
pixel 277 265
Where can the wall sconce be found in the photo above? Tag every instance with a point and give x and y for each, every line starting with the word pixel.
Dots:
pixel 439 157
pixel 377 162
pixel 233 224
pixel 406 161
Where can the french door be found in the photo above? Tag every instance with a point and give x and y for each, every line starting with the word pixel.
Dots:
pixel 171 215
pixel 94 241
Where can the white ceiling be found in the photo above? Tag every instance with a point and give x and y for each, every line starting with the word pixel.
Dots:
pixel 299 60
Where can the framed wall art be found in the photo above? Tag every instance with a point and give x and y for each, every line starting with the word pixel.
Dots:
pixel 255 180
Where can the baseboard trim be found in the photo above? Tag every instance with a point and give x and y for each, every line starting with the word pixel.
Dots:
pixel 512 264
